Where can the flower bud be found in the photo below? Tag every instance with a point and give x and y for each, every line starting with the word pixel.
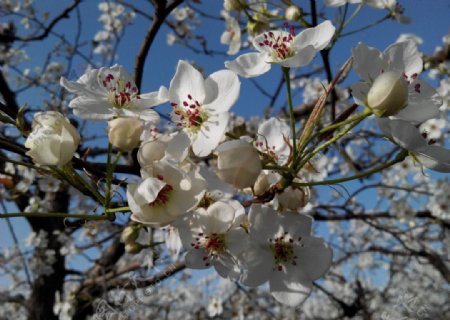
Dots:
pixel 294 198
pixel 262 184
pixel 129 234
pixel 292 13
pixel 53 140
pixel 238 163
pixel 388 94
pixel 230 5
pixel 133 247
pixel 125 133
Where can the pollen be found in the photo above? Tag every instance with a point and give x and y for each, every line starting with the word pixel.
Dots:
pixel 189 114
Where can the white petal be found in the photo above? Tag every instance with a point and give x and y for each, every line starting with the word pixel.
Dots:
pixel 249 65
pixel 272 135
pixel 302 57
pixel 237 241
pixel 406 135
pixel 148 191
pixel 210 134
pixel 87 85
pixel 258 264
pixel 404 57
pixel 194 259
pixel 87 108
pixel 217 189
pixel 289 287
pixel 296 224
pixel 368 62
pixel 435 158
pixel 263 222
pixel 178 147
pixel 153 216
pixel 318 37
pixel 150 116
pixel 154 98
pixel 359 92
pixel 45 149
pixel 217 218
pixel 422 105
pixel 186 82
pixel 314 258
pixel 222 91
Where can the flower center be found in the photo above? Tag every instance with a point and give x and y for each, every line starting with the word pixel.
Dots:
pixel 163 195
pixel 189 114
pixel 283 251
pixel 264 147
pixel 206 201
pixel 121 93
pixel 213 243
pixel 280 45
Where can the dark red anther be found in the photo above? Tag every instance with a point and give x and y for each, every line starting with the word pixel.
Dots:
pixel 417 87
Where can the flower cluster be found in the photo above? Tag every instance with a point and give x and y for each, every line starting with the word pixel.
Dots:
pixel 236 201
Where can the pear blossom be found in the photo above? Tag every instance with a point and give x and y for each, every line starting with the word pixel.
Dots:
pixel 110 92
pixel 440 200
pixel 215 307
pixel 409 137
pixel 282 47
pixel 162 198
pixel 200 106
pixel 53 139
pixel 282 251
pixel 404 61
pixel 213 237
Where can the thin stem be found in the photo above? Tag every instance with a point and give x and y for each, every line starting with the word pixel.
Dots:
pixel 366 27
pixel 352 16
pixel 16 242
pixel 343 132
pixel 340 124
pixel 399 158
pixel 119 209
pixel 109 173
pixel 54 215
pixel 69 174
pixel 291 111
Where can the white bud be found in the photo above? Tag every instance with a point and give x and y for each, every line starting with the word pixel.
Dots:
pixel 294 198
pixel 388 94
pixel 292 13
pixel 262 184
pixel 238 163
pixel 125 133
pixel 53 140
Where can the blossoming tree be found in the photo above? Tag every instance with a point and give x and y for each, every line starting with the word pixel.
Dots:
pixel 123 202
